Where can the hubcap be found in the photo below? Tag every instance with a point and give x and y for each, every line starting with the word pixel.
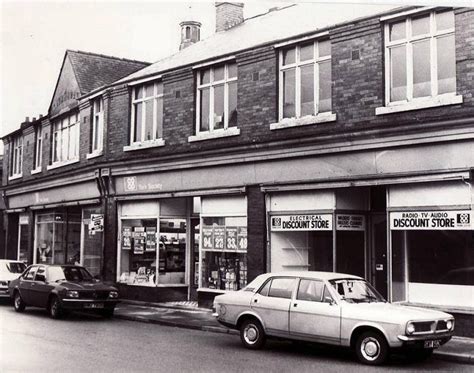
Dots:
pixel 251 334
pixel 370 348
pixel 17 301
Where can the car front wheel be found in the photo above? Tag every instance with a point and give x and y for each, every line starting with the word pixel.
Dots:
pixel 252 334
pixel 55 310
pixel 18 303
pixel 371 348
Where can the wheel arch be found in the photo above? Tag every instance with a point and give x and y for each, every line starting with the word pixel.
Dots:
pixel 249 315
pixel 362 328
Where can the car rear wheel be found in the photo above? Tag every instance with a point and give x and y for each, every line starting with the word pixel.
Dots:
pixel 252 334
pixel 371 348
pixel 55 310
pixel 18 303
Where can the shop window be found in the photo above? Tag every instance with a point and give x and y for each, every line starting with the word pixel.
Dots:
pixel 58 238
pixel 421 60
pixel 350 252
pixel 138 252
pixel 305 79
pixel 217 98
pixel 224 253
pixel 147 113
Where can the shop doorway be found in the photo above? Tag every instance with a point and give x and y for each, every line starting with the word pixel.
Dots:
pixel 378 229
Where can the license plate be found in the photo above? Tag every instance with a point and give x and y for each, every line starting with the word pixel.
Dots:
pixel 432 344
pixel 94 305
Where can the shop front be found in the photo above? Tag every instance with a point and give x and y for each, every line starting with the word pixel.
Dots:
pixel 432 244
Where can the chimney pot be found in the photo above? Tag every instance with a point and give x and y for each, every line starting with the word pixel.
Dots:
pixel 228 15
pixel 27 119
pixel 34 118
pixel 41 116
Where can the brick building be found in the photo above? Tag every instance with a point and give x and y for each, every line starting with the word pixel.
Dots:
pixel 271 145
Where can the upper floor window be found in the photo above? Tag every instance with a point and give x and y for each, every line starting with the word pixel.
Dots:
pixel 97 125
pixel 16 157
pixel 420 55
pixel 147 113
pixel 38 147
pixel 305 79
pixel 216 98
pixel 65 144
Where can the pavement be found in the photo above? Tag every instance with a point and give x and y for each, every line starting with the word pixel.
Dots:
pixel 189 316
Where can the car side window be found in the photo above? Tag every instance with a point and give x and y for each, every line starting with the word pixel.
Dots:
pixel 327 297
pixel 31 273
pixel 282 287
pixel 40 274
pixel 264 290
pixel 310 290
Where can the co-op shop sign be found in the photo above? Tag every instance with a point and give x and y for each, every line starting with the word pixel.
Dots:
pixel 307 222
pixel 432 220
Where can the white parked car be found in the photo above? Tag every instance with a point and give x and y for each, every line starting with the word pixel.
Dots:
pixel 332 308
pixel 9 270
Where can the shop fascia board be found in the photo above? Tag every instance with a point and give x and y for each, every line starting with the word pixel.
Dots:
pixel 301 151
pixel 190 193
pixel 60 182
pixel 382 180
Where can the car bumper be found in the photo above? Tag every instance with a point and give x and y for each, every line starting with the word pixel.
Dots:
pixel 418 341
pixel 88 304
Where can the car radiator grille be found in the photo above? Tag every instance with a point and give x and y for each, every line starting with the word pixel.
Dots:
pixel 441 325
pixel 424 326
pixel 98 294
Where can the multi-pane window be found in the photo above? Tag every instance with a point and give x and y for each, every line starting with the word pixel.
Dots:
pixel 16 157
pixel 305 79
pixel 147 112
pixel 66 139
pixel 217 98
pixel 420 55
pixel 38 147
pixel 97 125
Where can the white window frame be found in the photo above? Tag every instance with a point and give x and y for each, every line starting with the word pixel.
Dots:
pixel 59 133
pixel 97 125
pixel 297 65
pixel 408 41
pixel 211 85
pixel 38 150
pixel 155 141
pixel 16 156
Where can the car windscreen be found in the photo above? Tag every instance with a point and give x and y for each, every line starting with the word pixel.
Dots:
pixel 356 291
pixel 14 267
pixel 73 274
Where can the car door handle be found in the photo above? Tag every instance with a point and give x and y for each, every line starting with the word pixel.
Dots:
pixel 33 284
pixel 255 300
pixel 295 304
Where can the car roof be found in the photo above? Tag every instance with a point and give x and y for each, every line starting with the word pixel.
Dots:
pixel 317 275
pixel 10 261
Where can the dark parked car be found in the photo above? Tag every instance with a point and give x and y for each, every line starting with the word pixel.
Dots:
pixel 62 288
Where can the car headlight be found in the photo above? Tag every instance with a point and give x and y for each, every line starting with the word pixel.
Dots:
pixel 410 328
pixel 113 294
pixel 450 324
pixel 72 294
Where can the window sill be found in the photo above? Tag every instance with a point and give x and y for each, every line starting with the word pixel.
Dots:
pixel 61 164
pixel 36 171
pixel 216 134
pixel 303 121
pixel 94 154
pixel 449 99
pixel 14 177
pixel 144 145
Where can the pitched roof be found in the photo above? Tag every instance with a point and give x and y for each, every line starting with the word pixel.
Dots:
pixel 273 26
pixel 96 70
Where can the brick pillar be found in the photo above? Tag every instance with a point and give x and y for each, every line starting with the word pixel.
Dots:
pixel 256 223
pixel 110 239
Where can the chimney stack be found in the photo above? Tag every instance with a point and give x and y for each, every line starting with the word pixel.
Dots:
pixel 190 33
pixel 228 15
pixel 27 119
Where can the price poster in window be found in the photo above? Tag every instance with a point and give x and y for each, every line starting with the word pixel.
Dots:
pixel 126 238
pixel 139 240
pixel 231 238
pixel 219 237
pixel 242 238
pixel 207 238
pixel 150 239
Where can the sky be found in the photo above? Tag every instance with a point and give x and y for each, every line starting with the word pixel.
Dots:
pixel 34 36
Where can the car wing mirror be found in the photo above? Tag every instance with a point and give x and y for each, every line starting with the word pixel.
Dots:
pixel 329 300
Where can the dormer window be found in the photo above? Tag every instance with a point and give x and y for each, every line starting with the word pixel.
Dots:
pixel 16 158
